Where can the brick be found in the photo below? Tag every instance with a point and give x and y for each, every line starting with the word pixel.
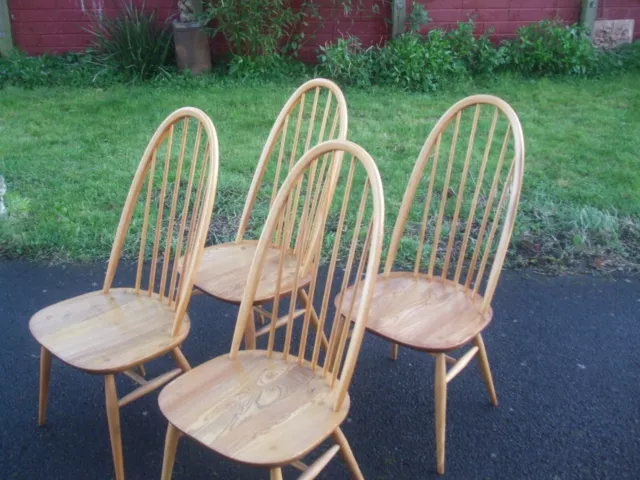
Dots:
pixel 528 15
pixel 479 4
pixel 433 5
pixel 447 15
pixel 569 15
pixel 515 4
pixel 616 13
pixel 501 28
pixel 491 15
pixel 48 28
pixel 574 4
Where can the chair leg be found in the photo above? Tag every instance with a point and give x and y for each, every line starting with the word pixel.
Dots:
pixel 275 474
pixel 141 370
pixel 45 374
pixel 394 351
pixel 180 359
pixel 113 417
pixel 347 454
pixel 441 408
pixel 170 447
pixel 483 361
pixel 250 335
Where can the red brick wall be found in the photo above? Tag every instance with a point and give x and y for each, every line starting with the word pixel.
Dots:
pixel 57 25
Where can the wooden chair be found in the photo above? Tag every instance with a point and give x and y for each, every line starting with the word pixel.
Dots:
pixel 269 408
pixel 316 111
pixel 478 187
pixel 114 330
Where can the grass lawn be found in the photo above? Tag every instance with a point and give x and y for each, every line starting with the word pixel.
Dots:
pixel 68 157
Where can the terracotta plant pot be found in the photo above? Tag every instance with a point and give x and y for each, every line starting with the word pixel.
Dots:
pixel 192 47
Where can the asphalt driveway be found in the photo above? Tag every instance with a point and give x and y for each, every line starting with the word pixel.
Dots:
pixel 565 353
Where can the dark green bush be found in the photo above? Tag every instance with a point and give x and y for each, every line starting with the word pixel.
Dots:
pixel 551 48
pixel 622 58
pixel 478 55
pixel 133 43
pixel 417 63
pixel 347 62
pixel 68 70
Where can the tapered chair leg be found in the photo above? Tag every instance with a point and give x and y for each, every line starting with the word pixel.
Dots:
pixel 441 409
pixel 394 351
pixel 113 417
pixel 170 447
pixel 483 361
pixel 45 373
pixel 180 359
pixel 347 454
pixel 250 335
pixel 275 474
pixel 141 370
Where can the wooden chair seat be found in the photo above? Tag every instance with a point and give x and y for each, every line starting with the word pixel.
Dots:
pixel 254 409
pixel 424 313
pixel 105 333
pixel 224 270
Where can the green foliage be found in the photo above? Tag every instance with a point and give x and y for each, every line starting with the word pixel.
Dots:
pixel 622 58
pixel 133 43
pixel 347 62
pixel 272 67
pixel 68 70
pixel 255 28
pixel 551 48
pixel 413 62
pixel 418 17
pixel 477 54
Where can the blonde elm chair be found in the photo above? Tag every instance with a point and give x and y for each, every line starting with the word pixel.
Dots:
pixel 269 408
pixel 466 187
pixel 115 330
pixel 316 111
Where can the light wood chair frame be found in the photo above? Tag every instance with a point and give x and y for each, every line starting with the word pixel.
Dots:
pixel 340 360
pixel 509 198
pixel 179 285
pixel 278 134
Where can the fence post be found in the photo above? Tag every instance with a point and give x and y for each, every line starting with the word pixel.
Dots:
pixel 6 41
pixel 399 17
pixel 588 12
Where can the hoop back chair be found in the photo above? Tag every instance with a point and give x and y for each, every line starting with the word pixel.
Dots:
pixel 316 111
pixel 454 226
pixel 269 408
pixel 115 330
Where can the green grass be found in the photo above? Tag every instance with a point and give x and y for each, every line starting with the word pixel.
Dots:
pixel 68 157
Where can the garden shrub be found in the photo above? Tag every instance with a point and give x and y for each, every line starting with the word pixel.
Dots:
pixel 551 48
pixel 478 55
pixel 347 62
pixel 133 43
pixel 414 62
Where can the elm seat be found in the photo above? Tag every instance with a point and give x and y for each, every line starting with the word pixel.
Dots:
pixel 253 409
pixel 104 333
pixel 423 313
pixel 224 269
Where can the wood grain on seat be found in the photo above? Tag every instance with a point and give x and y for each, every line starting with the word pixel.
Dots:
pixel 423 313
pixel 254 409
pixel 224 269
pixel 102 333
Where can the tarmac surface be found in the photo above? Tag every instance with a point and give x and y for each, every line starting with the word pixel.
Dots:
pixel 565 355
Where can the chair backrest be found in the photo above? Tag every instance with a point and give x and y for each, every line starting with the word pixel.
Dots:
pixel 178 171
pixel 317 111
pixel 470 191
pixel 342 218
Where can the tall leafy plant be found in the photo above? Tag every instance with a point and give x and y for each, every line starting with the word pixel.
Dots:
pixel 256 28
pixel 133 42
